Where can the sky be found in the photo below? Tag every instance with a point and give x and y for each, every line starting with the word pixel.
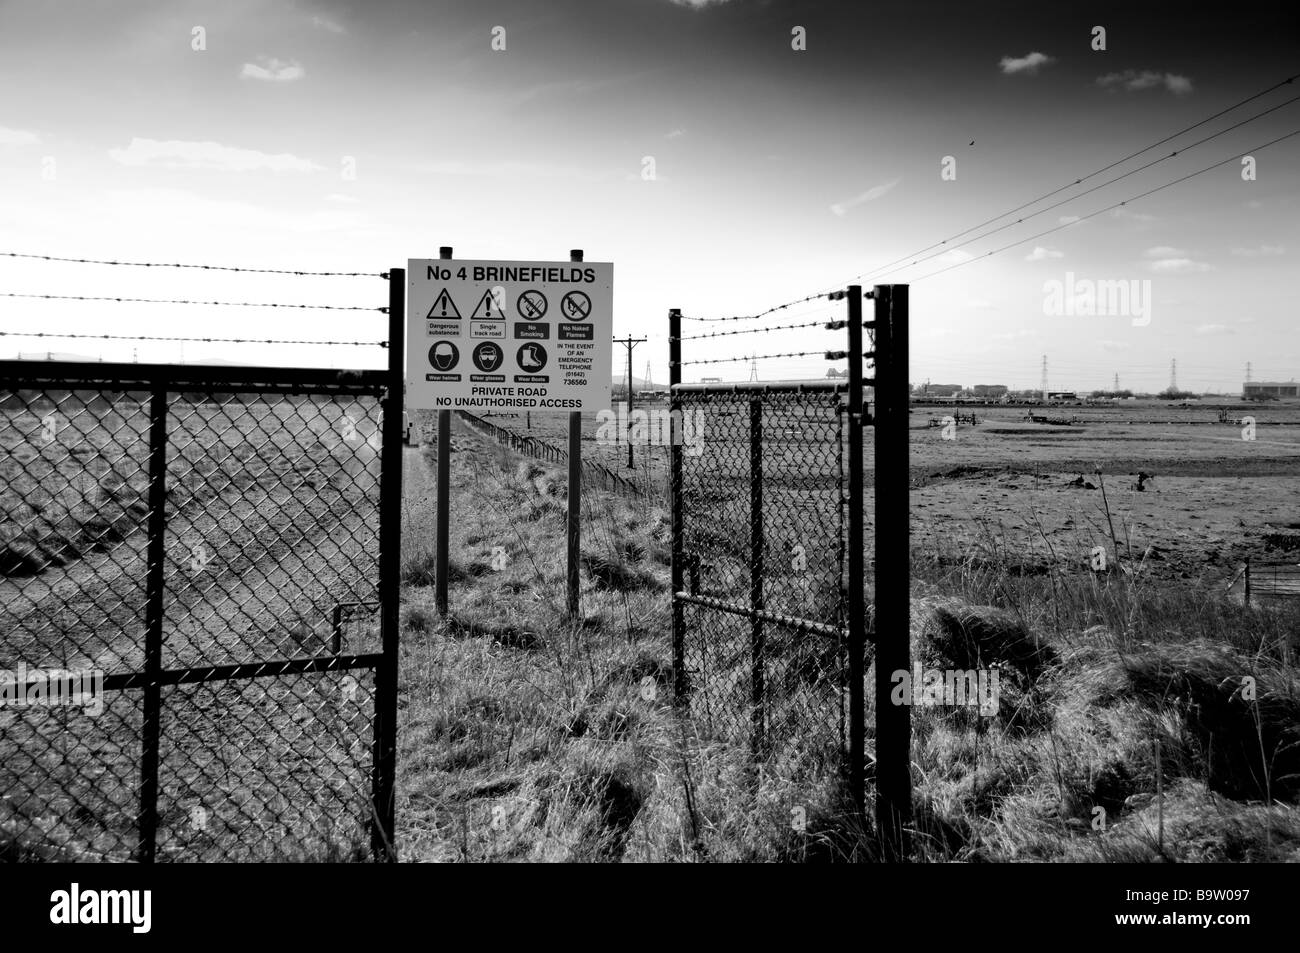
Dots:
pixel 721 169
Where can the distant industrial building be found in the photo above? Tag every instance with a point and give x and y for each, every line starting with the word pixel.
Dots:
pixel 940 390
pixel 1062 395
pixel 1270 389
pixel 990 390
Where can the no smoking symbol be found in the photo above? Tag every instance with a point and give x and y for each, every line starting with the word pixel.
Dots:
pixel 532 304
pixel 576 305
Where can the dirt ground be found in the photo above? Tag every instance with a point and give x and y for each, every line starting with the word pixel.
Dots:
pixel 1209 500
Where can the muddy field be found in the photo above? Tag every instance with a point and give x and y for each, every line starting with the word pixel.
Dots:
pixel 1029 490
pixel 1185 496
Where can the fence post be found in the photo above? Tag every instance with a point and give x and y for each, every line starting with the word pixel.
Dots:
pixel 575 496
pixel 756 648
pixel 675 434
pixel 382 834
pixel 892 629
pixel 856 570
pixel 444 496
pixel 150 728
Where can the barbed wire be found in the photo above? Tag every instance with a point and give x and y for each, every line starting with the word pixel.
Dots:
pixel 149 337
pixel 775 327
pixel 228 304
pixel 829 355
pixel 161 264
pixel 829 295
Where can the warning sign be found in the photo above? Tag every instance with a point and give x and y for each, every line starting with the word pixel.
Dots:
pixel 576 306
pixel 492 306
pixel 568 368
pixel 443 307
pixel 532 305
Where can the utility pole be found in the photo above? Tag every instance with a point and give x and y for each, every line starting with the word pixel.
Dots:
pixel 1248 372
pixel 753 369
pixel 629 343
pixel 1173 375
pixel 1044 387
pixel 1115 389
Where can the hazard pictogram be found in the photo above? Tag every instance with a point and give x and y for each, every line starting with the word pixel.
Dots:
pixel 532 305
pixel 492 306
pixel 443 307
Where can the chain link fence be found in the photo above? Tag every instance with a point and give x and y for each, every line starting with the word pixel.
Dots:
pixel 761 503
pixel 189 612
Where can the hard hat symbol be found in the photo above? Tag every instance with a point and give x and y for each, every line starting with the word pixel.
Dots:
pixel 444 355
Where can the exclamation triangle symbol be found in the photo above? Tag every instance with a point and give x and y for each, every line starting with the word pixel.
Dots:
pixel 443 307
pixel 488 308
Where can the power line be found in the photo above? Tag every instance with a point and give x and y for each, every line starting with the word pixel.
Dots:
pixel 1083 218
pixel 1085 178
pixel 160 264
pixel 146 337
pixel 228 304
pixel 1108 182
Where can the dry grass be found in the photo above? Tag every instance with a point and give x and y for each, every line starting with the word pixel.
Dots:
pixel 530 737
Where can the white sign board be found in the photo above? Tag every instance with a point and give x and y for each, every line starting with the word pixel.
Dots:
pixel 486 335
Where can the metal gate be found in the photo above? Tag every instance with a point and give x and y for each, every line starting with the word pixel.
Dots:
pixel 769 604
pixel 198 608
pixel 762 541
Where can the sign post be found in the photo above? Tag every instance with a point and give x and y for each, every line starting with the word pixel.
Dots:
pixel 505 335
pixel 494 335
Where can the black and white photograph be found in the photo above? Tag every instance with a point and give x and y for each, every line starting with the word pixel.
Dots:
pixel 650 432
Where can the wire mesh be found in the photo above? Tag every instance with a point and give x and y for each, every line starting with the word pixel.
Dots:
pixel 763 539
pixel 265 710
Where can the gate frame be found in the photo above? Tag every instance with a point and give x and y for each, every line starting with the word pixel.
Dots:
pixel 890 624
pixel 161 381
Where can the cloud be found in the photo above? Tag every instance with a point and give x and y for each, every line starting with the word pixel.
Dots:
pixel 177 154
pixel 1133 80
pixel 1068 219
pixel 1177 266
pixel 980 304
pixel 273 70
pixel 871 194
pixel 158 206
pixel 1113 346
pixel 1263 251
pixel 17 137
pixel 325 24
pixel 1124 213
pixel 1168 260
pixel 675 134
pixel 954 257
pixel 342 199
pixel 1215 329
pixel 1042 254
pixel 1025 64
pixel 1017 335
